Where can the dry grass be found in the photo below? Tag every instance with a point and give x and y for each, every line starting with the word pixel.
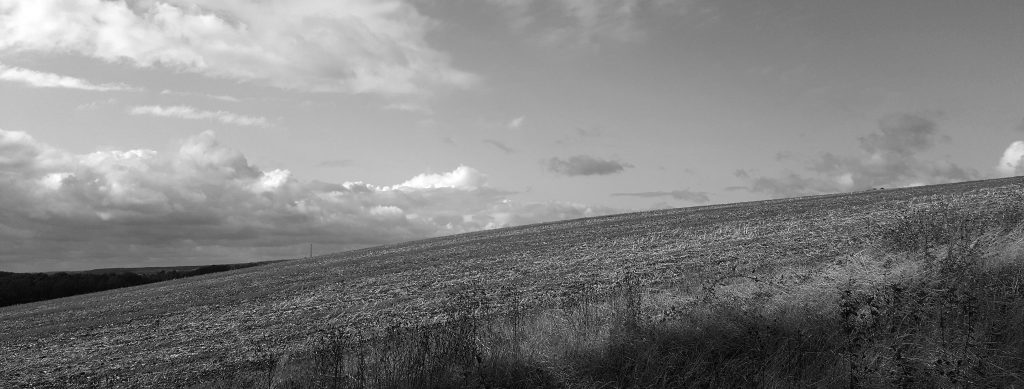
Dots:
pixel 270 319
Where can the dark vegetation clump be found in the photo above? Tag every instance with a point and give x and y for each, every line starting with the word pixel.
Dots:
pixel 21 288
pixel 954 321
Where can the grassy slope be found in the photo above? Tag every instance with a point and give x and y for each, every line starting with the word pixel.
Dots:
pixel 176 331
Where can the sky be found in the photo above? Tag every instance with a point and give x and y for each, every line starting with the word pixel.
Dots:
pixel 174 132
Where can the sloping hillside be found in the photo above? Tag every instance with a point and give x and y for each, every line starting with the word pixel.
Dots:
pixel 178 331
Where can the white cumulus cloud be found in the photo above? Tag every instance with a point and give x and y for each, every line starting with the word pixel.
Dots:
pixel 356 46
pixel 204 202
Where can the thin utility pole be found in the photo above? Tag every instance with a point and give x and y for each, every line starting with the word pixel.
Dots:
pixel 311 250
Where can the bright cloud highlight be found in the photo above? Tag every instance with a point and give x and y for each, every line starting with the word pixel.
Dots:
pixel 463 177
pixel 1012 161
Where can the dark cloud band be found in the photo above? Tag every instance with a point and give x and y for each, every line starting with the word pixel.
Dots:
pixel 585 165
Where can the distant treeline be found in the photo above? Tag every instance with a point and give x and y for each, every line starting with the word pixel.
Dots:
pixel 20 288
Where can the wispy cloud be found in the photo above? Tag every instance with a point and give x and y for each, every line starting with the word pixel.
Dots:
pixel 578 135
pixel 588 133
pixel 585 165
pixel 187 112
pixel 205 95
pixel 96 104
pixel 685 194
pixel 500 145
pixel 39 79
pixel 362 46
pixel 410 108
pixel 584 22
pixel 517 122
pixel 336 163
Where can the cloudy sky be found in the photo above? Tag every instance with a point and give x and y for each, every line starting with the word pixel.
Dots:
pixel 148 132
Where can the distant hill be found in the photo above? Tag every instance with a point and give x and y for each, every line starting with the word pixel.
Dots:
pixel 136 270
pixel 199 269
pixel 20 288
pixel 184 330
